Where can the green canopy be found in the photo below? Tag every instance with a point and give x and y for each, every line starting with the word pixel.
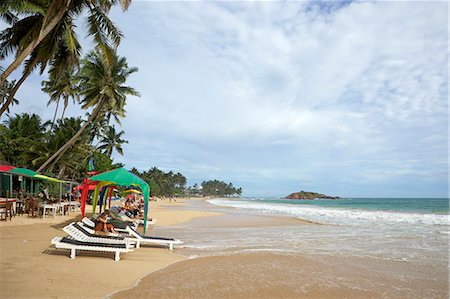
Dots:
pixel 123 177
pixel 23 171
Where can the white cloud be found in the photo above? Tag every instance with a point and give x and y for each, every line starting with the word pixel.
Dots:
pixel 254 90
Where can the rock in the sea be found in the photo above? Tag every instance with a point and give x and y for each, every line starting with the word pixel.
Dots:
pixel 309 195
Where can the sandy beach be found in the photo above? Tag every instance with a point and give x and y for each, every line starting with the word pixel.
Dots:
pixel 268 275
pixel 31 268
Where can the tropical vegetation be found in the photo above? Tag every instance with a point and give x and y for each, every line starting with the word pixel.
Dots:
pixel 43 31
pixel 219 188
pixel 101 87
pixel 25 141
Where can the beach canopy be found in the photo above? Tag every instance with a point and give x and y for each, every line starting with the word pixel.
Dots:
pixel 121 177
pixel 46 178
pixel 132 191
pixel 90 186
pixel 23 171
pixel 5 168
pixel 32 174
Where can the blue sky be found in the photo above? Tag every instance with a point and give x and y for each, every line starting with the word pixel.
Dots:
pixel 277 97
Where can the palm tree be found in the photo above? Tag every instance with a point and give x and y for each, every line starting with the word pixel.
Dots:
pixel 111 140
pixel 70 162
pixel 61 87
pixel 41 20
pixel 60 48
pixel 52 14
pixel 5 93
pixel 101 87
pixel 18 135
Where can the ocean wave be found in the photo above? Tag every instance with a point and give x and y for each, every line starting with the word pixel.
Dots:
pixel 335 215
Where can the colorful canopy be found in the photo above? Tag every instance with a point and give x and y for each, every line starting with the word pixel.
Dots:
pixel 122 177
pixel 32 174
pixel 46 178
pixel 5 168
pixel 132 191
pixel 23 171
pixel 91 186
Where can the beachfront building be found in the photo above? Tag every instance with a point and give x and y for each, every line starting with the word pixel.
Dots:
pixel 14 178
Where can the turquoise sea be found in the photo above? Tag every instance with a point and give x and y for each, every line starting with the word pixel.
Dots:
pixel 406 205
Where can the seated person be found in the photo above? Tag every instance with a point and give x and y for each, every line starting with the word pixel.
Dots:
pixel 132 209
pixel 103 225
pixel 27 201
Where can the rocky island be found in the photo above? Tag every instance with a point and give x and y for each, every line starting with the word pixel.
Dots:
pixel 309 195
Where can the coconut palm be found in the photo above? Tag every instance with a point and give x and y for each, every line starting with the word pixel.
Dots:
pixel 101 87
pixel 42 17
pixel 53 13
pixel 60 48
pixel 111 140
pixel 5 93
pixel 18 135
pixel 61 87
pixel 70 162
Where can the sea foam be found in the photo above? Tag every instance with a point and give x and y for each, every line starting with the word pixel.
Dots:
pixel 335 215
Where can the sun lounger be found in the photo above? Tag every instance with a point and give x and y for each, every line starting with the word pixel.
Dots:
pixel 134 236
pixel 153 240
pixel 74 245
pixel 79 233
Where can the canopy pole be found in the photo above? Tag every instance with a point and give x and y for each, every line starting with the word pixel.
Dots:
pixel 84 195
pixel 70 191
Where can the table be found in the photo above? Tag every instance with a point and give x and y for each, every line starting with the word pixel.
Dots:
pixel 54 207
pixel 71 204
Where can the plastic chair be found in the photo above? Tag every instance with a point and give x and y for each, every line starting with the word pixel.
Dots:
pixel 6 209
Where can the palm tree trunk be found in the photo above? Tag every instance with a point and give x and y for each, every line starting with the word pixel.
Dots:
pixel 74 138
pixel 66 102
pixel 13 93
pixel 42 34
pixel 54 115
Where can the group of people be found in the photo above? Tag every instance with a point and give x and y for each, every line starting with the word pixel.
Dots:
pixel 30 204
pixel 28 201
pixel 132 209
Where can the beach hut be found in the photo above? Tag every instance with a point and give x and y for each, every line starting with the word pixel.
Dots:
pixel 116 177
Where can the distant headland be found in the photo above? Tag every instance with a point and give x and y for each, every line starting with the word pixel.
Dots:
pixel 309 195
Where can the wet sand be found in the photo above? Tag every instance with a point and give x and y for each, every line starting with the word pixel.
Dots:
pixel 268 275
pixel 232 221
